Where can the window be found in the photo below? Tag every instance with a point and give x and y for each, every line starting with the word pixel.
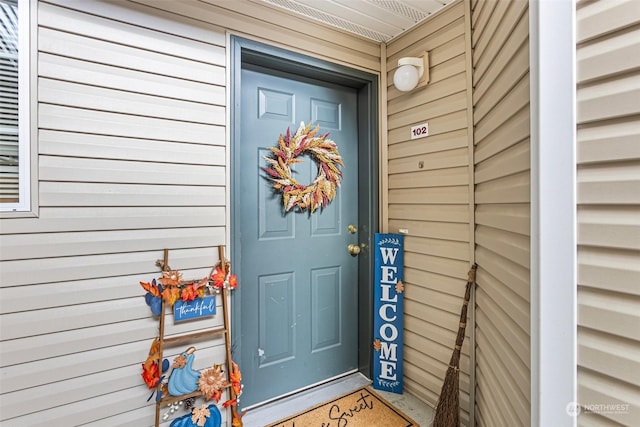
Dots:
pixel 15 142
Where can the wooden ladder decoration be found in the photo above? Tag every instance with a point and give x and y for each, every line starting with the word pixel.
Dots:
pixel 194 336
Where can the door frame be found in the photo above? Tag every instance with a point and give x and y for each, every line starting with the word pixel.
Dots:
pixel 248 51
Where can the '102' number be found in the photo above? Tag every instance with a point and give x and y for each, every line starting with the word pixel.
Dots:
pixel 420 131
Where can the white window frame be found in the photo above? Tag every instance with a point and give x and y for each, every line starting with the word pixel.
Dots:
pixel 27 182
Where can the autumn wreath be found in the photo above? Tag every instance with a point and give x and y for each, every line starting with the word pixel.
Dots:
pixel 324 152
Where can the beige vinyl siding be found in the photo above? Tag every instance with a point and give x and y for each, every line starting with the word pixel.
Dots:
pixel 132 159
pixel 502 206
pixel 608 211
pixel 432 201
pixel 256 19
pixel 118 143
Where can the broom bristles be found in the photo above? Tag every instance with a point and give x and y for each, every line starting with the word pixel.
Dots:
pixel 448 409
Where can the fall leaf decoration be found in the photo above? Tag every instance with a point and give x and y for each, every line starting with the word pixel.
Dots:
pixel 236 377
pixel 211 381
pixel 219 278
pixel 199 285
pixel 150 373
pixel 230 402
pixel 170 295
pixel 171 278
pixel 324 152
pixel 174 287
pixel 179 361
pixel 188 293
pixel 233 281
pixel 399 287
pixel 199 415
pixel 171 288
pixel 154 350
pixel 150 369
pixel 151 366
pixel 377 345
pixel 217 395
pixel 152 288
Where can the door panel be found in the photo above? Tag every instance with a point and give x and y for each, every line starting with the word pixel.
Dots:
pixel 299 312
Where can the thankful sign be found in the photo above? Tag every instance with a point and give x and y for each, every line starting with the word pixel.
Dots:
pixel 388 311
pixel 199 307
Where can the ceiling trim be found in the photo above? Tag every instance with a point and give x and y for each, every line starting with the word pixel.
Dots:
pixel 378 20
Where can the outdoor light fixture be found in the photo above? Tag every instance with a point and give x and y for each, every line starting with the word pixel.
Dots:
pixel 412 72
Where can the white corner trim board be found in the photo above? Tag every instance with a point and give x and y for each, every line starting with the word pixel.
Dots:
pixel 553 214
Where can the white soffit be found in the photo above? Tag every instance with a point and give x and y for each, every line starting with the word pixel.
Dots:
pixel 379 20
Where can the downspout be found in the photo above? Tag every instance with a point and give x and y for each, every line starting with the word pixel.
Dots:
pixel 472 218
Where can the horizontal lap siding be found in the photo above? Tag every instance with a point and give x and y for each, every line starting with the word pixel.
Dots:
pixel 502 158
pixel 257 19
pixel 608 211
pixel 429 196
pixel 132 159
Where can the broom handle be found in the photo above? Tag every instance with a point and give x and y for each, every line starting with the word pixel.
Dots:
pixel 463 314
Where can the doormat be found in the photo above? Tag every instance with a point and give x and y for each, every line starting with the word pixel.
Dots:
pixel 359 408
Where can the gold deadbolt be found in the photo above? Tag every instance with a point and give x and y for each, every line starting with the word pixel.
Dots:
pixel 352 229
pixel 354 250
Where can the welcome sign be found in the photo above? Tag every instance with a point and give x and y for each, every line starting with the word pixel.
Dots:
pixel 388 311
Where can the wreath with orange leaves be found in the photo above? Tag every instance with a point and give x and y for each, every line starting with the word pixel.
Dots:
pixel 322 150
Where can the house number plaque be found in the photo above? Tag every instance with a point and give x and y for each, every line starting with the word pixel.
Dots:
pixel 420 131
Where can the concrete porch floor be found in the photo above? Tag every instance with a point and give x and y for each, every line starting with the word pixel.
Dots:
pixel 260 416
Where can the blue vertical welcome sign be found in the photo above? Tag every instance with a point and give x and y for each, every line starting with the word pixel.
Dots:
pixel 388 311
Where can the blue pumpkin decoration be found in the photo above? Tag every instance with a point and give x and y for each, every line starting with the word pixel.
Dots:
pixel 214 420
pixel 155 302
pixel 184 380
pixel 156 305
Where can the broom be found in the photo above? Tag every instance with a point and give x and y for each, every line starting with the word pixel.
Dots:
pixel 448 409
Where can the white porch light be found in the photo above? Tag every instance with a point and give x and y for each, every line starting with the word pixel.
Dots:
pixel 412 72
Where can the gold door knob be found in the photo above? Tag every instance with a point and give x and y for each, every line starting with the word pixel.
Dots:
pixel 354 250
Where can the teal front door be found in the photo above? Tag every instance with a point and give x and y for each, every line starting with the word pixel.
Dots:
pixel 299 299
